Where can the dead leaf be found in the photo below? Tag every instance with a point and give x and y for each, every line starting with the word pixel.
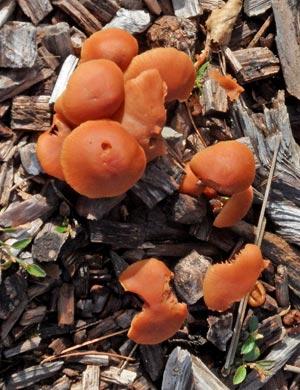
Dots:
pixel 232 88
pixel 221 21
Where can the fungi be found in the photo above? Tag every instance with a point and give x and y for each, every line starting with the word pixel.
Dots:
pixel 143 113
pixel 95 91
pixel 101 159
pixel 189 182
pixel 162 315
pixel 49 145
pixel 236 207
pixel 112 44
pixel 174 66
pixel 227 166
pixel 230 282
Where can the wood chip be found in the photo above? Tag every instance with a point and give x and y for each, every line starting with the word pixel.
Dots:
pixel 66 306
pixel 103 10
pixel 187 9
pixel 220 330
pixel 256 7
pixel 25 346
pixel 57 39
pixel 178 372
pixel 36 10
pixel 6 10
pixel 91 378
pixel 18 48
pixel 130 20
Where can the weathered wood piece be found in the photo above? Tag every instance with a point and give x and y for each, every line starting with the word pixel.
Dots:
pixel 286 14
pixel 272 330
pixel 25 346
pixel 209 5
pixel 187 9
pixel 279 354
pixel 6 10
pixel 11 320
pixel 33 316
pixel 220 330
pixel 204 378
pixel 117 234
pixel 91 359
pixel 153 6
pixel 178 372
pixel 12 292
pixel 15 81
pixel 57 39
pixel 80 14
pixel 95 209
pixel 36 10
pixel 30 113
pixel 188 210
pixel 256 7
pixel 91 378
pixel 282 286
pixel 114 375
pixel 161 178
pixel 66 305
pixel 29 159
pixel 153 360
pixel 18 47
pixel 178 249
pixel 257 63
pixel 20 213
pixel 103 10
pixel 32 375
pixel 48 243
pixel 133 21
pixel 188 276
pixel 214 98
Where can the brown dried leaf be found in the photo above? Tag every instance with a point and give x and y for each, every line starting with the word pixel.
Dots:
pixel 221 21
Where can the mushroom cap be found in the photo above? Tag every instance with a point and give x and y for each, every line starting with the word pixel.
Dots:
pixel 174 66
pixel 95 91
pixel 143 113
pixel 112 44
pixel 101 159
pixel 162 314
pixel 189 182
pixel 231 281
pixel 153 325
pixel 49 145
pixel 234 209
pixel 227 166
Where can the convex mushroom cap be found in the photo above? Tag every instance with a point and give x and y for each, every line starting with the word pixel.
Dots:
pixel 174 66
pixel 101 159
pixel 112 44
pixel 49 145
pixel 162 314
pixel 94 91
pixel 231 281
pixel 227 166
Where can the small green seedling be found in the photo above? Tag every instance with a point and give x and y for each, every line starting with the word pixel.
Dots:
pixel 7 258
pixel 250 352
pixel 200 74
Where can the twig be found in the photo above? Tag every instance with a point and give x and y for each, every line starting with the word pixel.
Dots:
pixel 123 365
pixel 261 31
pixel 258 238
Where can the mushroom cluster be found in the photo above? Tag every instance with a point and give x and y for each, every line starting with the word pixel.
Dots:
pixel 228 168
pixel 108 121
pixel 162 315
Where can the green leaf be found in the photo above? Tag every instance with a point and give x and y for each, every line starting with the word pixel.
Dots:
pixel 200 74
pixel 239 375
pixel 258 336
pixel 8 230
pixel 35 270
pixel 61 229
pixel 253 355
pixel 253 324
pixel 21 244
pixel 248 345
pixel 265 364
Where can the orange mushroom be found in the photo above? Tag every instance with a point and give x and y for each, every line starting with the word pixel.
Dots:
pixel 49 145
pixel 162 314
pixel 143 113
pixel 101 159
pixel 235 208
pixel 189 182
pixel 112 44
pixel 231 281
pixel 227 166
pixel 95 91
pixel 174 66
pixel 232 88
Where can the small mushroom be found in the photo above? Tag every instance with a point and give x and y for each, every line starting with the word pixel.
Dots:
pixel 162 314
pixel 101 159
pixel 143 113
pixel 112 44
pixel 95 91
pixel 49 145
pixel 227 166
pixel 234 209
pixel 189 182
pixel 174 66
pixel 231 281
